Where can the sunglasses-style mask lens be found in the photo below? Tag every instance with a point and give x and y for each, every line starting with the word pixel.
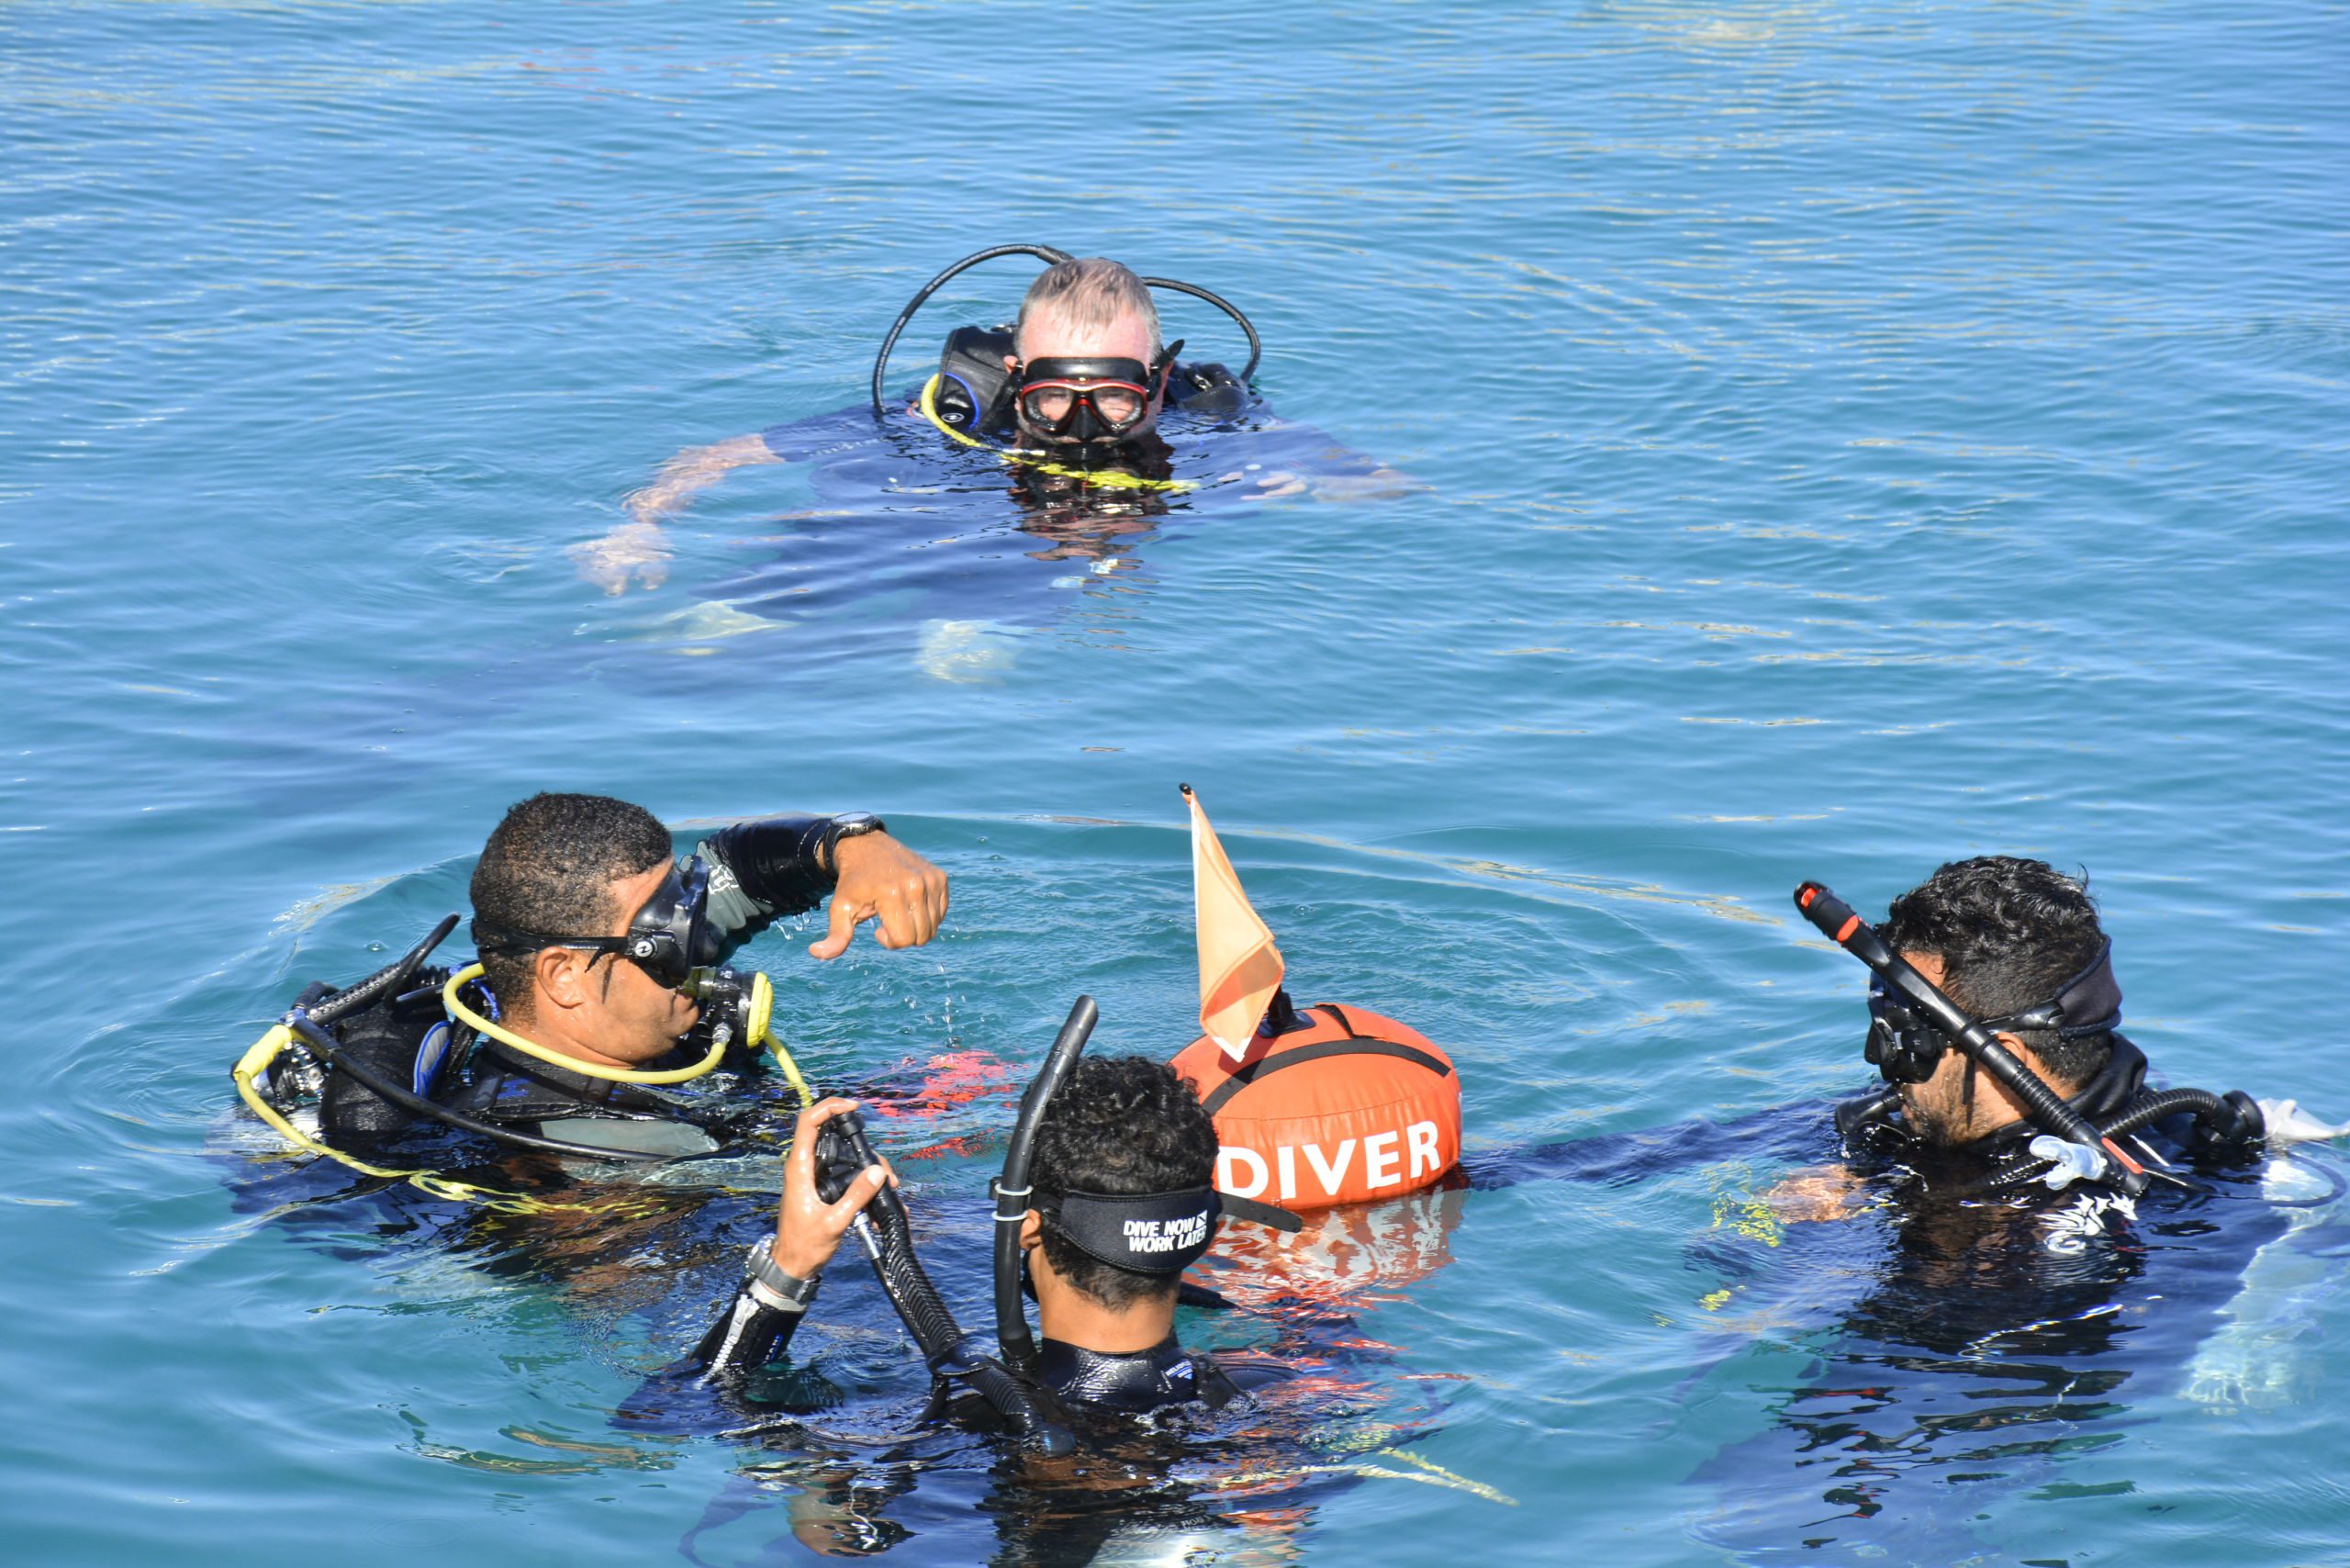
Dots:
pixel 670 935
pixel 1902 1046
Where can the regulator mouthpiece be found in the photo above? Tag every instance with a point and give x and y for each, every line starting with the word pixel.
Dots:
pixel 739 1002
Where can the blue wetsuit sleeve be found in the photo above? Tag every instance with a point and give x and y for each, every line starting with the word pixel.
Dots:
pixel 823 435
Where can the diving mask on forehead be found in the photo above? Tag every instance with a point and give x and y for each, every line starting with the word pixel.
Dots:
pixel 669 937
pixel 1090 399
pixel 1906 1048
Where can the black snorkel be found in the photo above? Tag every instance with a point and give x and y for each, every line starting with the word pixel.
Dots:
pixel 2091 1155
pixel 1012 1189
pixel 1050 257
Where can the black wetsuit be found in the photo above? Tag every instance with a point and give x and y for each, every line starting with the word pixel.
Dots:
pixel 755 1329
pixel 1967 1330
pixel 2001 1165
pixel 760 871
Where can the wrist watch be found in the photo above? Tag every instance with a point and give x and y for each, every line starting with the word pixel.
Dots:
pixel 769 1286
pixel 848 825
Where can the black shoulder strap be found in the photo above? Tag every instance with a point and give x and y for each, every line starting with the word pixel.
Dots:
pixel 1215 1386
pixel 1353 1045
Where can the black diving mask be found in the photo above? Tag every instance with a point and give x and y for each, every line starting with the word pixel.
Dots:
pixel 1905 1048
pixel 669 937
pixel 1089 400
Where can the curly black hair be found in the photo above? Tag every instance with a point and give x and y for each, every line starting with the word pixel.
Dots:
pixel 2009 932
pixel 550 867
pixel 1118 1125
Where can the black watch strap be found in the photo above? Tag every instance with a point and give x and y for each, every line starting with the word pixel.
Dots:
pixel 848 825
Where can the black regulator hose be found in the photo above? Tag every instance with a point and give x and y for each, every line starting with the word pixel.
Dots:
pixel 1012 1189
pixel 1045 254
pixel 888 1238
pixel 2230 1118
pixel 359 997
pixel 306 1027
pixel 1837 921
pixel 1255 348
pixel 1051 257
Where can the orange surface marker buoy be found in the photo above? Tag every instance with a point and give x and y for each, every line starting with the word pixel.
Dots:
pixel 1332 1104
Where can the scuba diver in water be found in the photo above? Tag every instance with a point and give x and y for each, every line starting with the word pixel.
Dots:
pixel 600 983
pixel 1119 1433
pixel 2043 1241
pixel 1994 1022
pixel 1070 396
pixel 1120 1201
pixel 1993 1019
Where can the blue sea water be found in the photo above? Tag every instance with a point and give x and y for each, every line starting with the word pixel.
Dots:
pixel 1843 436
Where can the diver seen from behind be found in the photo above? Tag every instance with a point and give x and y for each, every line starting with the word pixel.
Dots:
pixel 1118 1200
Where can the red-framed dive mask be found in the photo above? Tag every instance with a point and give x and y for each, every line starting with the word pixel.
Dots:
pixel 1091 399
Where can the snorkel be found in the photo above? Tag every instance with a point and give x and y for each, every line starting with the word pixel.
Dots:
pixel 1012 1189
pixel 2076 1149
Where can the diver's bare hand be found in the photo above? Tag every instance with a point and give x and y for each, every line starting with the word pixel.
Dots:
pixel 809 1230
pixel 881 879
pixel 633 549
pixel 1819 1194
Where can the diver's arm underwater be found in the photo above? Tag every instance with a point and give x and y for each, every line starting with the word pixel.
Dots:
pixel 638 548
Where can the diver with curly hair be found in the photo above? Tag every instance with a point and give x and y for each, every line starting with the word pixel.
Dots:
pixel 1121 1201
pixel 2018 1231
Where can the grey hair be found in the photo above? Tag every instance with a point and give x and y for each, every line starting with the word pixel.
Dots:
pixel 1092 293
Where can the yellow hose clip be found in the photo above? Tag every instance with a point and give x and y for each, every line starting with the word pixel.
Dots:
pixel 1020 457
pixel 758 1029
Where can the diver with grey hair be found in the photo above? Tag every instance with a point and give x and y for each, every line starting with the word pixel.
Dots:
pixel 1071 395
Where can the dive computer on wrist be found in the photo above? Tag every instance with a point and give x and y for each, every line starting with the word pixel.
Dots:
pixel 848 825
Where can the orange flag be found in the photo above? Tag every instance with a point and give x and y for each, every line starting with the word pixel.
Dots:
pixel 1239 967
